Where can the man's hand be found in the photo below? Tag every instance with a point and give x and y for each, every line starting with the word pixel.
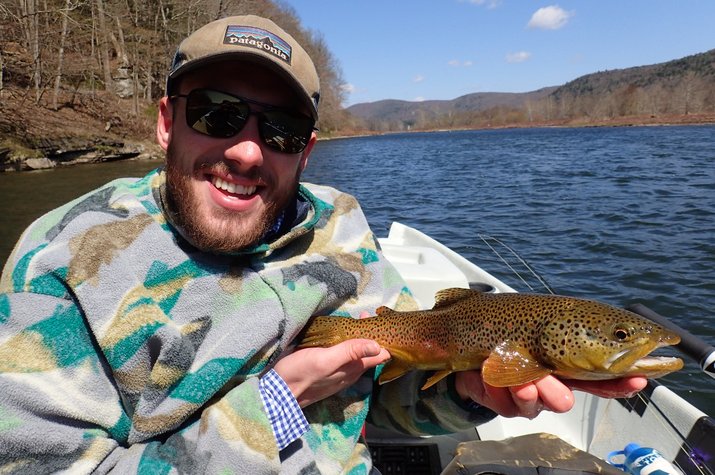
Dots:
pixel 313 374
pixel 548 393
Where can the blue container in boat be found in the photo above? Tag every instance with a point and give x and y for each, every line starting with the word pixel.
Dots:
pixel 643 461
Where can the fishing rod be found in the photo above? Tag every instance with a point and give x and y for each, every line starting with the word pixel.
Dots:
pixel 692 345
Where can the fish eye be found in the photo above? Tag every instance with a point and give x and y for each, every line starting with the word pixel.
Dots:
pixel 622 333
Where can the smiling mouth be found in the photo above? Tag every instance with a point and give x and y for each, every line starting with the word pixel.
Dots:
pixel 233 188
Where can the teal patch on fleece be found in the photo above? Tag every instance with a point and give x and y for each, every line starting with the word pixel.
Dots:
pixel 368 255
pixel 320 206
pixel 65 334
pixel 159 273
pixel 4 308
pixel 127 347
pixel 358 470
pixel 19 275
pixel 153 461
pixel 50 284
pixel 199 386
pixel 120 430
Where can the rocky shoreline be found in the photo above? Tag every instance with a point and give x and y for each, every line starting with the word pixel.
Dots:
pixel 73 151
pixel 34 153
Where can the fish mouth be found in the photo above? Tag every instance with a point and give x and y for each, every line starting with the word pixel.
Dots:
pixel 636 361
pixel 653 365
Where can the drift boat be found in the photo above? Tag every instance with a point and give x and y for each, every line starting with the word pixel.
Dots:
pixel 657 417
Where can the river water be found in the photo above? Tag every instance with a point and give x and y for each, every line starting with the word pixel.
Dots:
pixel 622 215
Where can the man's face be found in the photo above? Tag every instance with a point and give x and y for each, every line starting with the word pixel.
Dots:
pixel 226 193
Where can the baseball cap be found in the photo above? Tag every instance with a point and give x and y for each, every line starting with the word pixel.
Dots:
pixel 249 38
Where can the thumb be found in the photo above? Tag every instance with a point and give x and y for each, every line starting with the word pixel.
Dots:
pixel 367 350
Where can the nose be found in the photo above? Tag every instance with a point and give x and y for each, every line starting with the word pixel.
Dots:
pixel 245 147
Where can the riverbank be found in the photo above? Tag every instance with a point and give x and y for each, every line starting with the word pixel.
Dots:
pixel 95 127
pixel 634 121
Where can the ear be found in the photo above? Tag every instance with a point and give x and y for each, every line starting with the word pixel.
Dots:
pixel 165 122
pixel 306 152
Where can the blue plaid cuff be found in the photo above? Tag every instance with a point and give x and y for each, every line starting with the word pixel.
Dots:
pixel 287 419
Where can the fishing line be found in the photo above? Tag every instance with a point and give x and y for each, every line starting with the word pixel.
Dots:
pixel 486 237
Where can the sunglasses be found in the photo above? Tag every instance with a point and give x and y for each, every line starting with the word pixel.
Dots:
pixel 221 115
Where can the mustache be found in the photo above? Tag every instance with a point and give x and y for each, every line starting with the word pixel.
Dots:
pixel 221 167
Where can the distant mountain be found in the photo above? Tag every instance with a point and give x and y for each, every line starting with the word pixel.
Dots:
pixel 396 110
pixel 682 87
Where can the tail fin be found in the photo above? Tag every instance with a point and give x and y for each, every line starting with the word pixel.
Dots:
pixel 326 331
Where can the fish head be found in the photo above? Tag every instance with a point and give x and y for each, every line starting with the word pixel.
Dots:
pixel 592 340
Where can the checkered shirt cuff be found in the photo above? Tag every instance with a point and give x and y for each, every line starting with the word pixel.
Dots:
pixel 284 413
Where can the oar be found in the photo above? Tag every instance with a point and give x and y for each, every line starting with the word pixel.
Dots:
pixel 691 345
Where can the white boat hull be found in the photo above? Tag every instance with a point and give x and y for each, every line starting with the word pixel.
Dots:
pixel 657 418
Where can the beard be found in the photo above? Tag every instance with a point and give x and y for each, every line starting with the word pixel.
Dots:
pixel 214 229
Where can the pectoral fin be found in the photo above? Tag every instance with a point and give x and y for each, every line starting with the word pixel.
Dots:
pixel 436 377
pixel 509 364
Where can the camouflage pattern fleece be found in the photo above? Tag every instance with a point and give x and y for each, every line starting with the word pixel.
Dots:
pixel 123 349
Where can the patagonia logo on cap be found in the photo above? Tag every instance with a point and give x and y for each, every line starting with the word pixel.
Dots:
pixel 252 37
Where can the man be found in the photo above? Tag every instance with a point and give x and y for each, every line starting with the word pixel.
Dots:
pixel 149 326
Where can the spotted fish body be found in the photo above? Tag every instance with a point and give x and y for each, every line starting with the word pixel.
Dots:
pixel 514 338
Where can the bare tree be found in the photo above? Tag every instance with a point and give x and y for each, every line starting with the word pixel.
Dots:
pixel 30 23
pixel 61 53
pixel 1 73
pixel 103 44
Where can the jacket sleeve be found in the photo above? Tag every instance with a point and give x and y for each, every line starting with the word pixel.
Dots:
pixel 60 408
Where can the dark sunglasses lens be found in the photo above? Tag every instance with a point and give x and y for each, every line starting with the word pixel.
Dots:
pixel 215 113
pixel 286 132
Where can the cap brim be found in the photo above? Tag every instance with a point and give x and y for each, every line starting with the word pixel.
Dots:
pixel 249 57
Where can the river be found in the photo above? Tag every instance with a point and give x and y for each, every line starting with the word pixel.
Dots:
pixel 622 215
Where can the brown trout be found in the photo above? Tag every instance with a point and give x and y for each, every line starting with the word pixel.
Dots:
pixel 514 338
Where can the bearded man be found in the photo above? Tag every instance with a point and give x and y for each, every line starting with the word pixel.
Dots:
pixel 150 325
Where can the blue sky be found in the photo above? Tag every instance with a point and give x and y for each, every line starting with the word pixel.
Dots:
pixel 442 49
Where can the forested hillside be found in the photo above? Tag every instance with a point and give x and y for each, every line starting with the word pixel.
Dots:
pixel 683 86
pixel 678 91
pixel 82 71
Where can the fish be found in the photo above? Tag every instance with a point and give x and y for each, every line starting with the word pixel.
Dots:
pixel 514 338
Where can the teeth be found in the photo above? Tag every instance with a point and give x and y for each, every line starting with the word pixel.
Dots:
pixel 232 187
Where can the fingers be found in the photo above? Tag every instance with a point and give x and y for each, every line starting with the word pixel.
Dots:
pixel 527 400
pixel 554 395
pixel 548 393
pixel 313 374
pixel 500 400
pixel 471 386
pixel 616 388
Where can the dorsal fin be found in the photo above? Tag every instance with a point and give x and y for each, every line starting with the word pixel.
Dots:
pixel 449 296
pixel 382 309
